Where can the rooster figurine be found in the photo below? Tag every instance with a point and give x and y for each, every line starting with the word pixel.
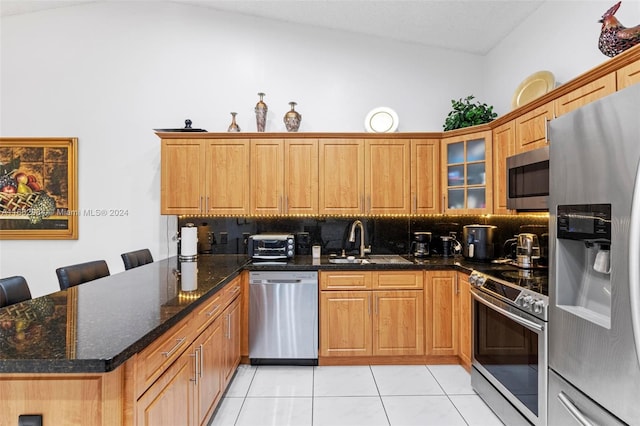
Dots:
pixel 614 37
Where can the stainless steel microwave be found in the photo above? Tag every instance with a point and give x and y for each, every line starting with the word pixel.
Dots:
pixel 528 180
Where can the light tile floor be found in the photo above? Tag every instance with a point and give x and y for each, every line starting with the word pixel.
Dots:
pixel 390 395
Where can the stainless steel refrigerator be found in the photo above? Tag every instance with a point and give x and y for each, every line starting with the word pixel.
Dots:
pixel 594 274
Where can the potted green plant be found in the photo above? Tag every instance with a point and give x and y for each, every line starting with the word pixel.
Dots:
pixel 467 114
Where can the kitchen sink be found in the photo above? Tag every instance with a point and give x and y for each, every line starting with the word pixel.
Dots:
pixel 372 259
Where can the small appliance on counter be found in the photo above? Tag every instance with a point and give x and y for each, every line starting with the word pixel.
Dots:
pixel 478 242
pixel 271 246
pixel 421 244
pixel 527 250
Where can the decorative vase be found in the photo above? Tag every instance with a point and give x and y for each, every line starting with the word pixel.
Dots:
pixel 233 127
pixel 261 113
pixel 292 118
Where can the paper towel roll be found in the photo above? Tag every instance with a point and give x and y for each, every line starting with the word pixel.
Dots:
pixel 189 241
pixel 188 276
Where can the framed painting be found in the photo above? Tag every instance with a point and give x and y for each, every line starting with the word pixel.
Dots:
pixel 38 189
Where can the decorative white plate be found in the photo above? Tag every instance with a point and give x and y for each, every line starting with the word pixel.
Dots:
pixel 532 87
pixel 381 120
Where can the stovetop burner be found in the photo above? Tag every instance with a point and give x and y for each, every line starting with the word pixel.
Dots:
pixel 531 279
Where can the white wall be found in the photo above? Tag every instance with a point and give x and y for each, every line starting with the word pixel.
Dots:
pixel 560 36
pixel 110 73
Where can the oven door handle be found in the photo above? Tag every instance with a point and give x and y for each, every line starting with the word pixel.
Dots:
pixel 522 321
pixel 573 410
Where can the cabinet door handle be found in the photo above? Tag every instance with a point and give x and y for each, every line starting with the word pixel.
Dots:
pixel 213 311
pixel 195 366
pixel 228 326
pixel 546 130
pixel 444 203
pixel 206 205
pixel 200 204
pixel 414 208
pixel 279 203
pixel 369 300
pixel 170 352
pixel 375 307
pixel 201 361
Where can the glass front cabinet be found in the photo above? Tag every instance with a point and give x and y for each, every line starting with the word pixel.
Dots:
pixel 466 179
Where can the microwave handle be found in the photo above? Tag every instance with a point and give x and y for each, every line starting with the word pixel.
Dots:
pixel 633 262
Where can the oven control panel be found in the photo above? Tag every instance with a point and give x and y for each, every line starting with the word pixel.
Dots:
pixel 525 299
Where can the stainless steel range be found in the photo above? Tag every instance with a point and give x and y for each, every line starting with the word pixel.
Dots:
pixel 509 368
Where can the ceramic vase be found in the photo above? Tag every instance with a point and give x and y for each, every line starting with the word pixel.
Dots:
pixel 292 118
pixel 233 127
pixel 261 113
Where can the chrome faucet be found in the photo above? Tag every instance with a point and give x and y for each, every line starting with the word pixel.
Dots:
pixel 352 237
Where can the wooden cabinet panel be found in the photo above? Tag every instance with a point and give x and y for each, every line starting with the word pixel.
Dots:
pixel 345 323
pixel 209 369
pixel 387 176
pixel 227 181
pixel 341 176
pixel 301 176
pixel 267 176
pixel 504 145
pixel 398 324
pixel 531 128
pixel 170 400
pixel 345 280
pixel 464 319
pixel 425 176
pixel 182 174
pixel 232 340
pixel 398 280
pixel 585 94
pixel 628 75
pixel 441 316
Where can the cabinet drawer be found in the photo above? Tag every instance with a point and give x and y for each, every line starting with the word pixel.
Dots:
pixel 398 280
pixel 232 290
pixel 531 128
pixel 210 310
pixel 345 280
pixel 152 361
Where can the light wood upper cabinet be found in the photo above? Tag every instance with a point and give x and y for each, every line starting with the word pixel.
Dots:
pixel 387 176
pixel 227 182
pixel 464 319
pixel 441 313
pixel 466 173
pixel 267 176
pixel 425 176
pixel 182 176
pixel 504 145
pixel 301 176
pixel 628 75
pixel 585 94
pixel 341 176
pixel 531 128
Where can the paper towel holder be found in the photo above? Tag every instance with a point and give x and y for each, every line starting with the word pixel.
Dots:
pixel 192 253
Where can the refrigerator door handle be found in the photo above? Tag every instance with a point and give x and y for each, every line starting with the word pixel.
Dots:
pixel 633 262
pixel 575 412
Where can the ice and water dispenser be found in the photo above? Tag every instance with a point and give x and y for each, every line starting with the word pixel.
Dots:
pixel 583 268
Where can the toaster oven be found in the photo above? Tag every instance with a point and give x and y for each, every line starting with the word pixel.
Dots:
pixel 271 246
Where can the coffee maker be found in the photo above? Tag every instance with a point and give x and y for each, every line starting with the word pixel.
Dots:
pixel 420 246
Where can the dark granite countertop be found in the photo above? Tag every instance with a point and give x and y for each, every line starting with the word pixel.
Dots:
pixel 97 326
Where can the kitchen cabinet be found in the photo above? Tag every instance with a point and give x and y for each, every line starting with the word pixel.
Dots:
pixel 208 372
pixel 585 94
pixel 367 321
pixel 425 176
pixel 532 128
pixel 441 313
pixel 204 176
pixel 341 176
pixel 466 173
pixel 231 317
pixel 464 319
pixel 628 75
pixel 284 176
pixel 504 146
pixel 387 176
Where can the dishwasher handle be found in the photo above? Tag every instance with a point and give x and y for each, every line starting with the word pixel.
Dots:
pixel 284 281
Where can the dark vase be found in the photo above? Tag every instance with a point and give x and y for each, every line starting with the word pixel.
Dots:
pixel 292 118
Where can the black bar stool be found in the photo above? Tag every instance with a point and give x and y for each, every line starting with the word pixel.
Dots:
pixel 13 290
pixel 72 275
pixel 136 258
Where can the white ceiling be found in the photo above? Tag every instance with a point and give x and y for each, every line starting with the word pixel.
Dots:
pixel 472 26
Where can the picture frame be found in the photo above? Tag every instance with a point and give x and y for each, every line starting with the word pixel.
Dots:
pixel 38 188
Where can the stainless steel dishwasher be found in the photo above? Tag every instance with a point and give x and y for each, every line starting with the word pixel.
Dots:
pixel 283 317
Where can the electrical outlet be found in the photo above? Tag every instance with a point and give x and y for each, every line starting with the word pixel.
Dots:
pixel 224 238
pixel 30 420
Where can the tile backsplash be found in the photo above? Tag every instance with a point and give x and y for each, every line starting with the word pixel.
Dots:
pixel 386 235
